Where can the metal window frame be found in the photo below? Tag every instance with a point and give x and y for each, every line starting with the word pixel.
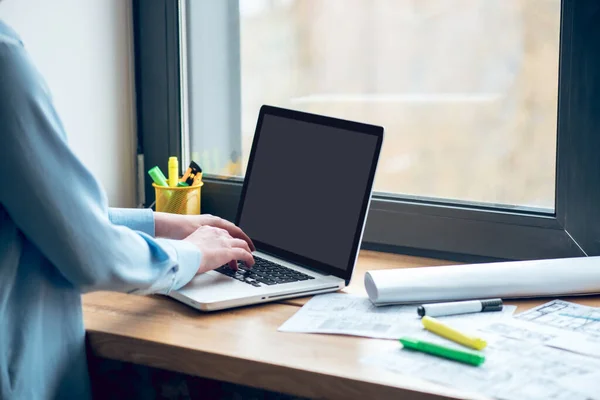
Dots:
pixel 411 224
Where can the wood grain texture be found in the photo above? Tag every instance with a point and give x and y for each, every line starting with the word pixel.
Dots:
pixel 243 346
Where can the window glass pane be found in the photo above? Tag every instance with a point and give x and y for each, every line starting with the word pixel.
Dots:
pixel 466 89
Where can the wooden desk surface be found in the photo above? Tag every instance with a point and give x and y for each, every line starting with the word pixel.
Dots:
pixel 243 346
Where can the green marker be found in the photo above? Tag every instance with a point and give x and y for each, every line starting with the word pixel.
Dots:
pixel 158 177
pixel 467 357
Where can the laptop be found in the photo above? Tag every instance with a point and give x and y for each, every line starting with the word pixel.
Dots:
pixel 304 203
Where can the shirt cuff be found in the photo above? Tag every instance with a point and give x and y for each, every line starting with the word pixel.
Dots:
pixel 138 219
pixel 188 259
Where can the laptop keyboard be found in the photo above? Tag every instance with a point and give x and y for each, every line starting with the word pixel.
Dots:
pixel 264 272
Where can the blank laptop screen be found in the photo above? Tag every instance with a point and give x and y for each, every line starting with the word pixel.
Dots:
pixel 305 188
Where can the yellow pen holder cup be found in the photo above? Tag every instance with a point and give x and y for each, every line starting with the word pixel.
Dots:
pixel 178 200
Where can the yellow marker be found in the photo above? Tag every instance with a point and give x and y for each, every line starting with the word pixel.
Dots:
pixel 435 326
pixel 173 171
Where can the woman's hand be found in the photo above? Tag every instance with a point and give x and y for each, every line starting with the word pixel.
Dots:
pixel 175 226
pixel 218 248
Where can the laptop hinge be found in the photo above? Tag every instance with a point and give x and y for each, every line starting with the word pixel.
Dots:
pixel 302 292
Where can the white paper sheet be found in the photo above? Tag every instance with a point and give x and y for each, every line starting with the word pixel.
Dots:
pixel 481 281
pixel 514 369
pixel 345 314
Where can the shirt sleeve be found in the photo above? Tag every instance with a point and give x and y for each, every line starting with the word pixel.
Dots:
pixel 62 209
pixel 138 219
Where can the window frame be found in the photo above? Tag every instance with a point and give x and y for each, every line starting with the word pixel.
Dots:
pixel 414 225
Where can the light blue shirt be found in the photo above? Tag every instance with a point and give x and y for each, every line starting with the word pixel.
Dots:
pixel 59 239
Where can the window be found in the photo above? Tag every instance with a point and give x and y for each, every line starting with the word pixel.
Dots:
pixel 467 90
pixel 482 149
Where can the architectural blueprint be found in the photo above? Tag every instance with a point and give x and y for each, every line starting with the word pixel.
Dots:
pixel 565 315
pixel 345 314
pixel 574 327
pixel 514 370
pixel 547 335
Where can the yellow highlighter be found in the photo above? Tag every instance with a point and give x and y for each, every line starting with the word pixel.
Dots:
pixel 173 171
pixel 435 326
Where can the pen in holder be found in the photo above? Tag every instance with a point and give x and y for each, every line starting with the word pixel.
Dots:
pixel 178 200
